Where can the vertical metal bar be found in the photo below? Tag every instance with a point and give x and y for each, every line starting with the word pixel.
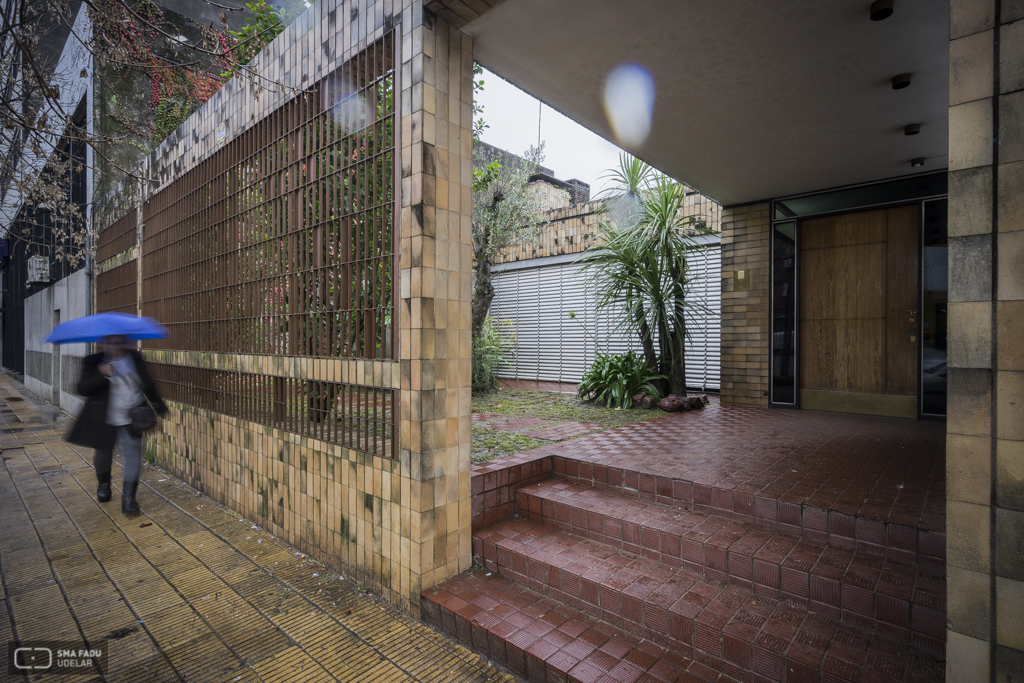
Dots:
pixel 395 265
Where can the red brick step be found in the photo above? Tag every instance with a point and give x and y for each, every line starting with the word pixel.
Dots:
pixel 725 628
pixel 543 640
pixel 901 598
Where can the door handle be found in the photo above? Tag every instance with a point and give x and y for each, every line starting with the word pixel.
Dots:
pixel 912 314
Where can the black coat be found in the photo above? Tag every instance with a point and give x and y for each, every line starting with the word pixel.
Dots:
pixel 91 428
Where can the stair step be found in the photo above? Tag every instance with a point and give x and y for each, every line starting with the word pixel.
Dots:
pixel 904 599
pixel 911 528
pixel 541 639
pixel 728 628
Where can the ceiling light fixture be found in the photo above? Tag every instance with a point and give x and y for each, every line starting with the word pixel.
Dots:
pixel 881 9
pixel 914 163
pixel 900 82
pixel 912 129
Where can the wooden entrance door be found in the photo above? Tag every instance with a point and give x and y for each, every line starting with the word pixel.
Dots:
pixel 858 312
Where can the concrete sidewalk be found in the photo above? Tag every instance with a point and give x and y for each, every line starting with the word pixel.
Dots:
pixel 188 591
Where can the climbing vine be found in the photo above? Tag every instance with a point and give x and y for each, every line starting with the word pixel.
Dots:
pixel 139 42
pixel 265 22
pixel 174 95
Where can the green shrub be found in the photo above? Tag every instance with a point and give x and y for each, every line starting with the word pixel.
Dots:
pixel 614 380
pixel 488 350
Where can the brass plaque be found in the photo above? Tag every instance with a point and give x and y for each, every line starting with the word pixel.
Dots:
pixel 741 281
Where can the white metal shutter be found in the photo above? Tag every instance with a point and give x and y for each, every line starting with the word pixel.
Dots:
pixel 576 348
pixel 526 324
pixel 553 347
pixel 703 349
pixel 549 306
pixel 505 309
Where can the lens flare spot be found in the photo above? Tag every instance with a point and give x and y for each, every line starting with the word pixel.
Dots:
pixel 351 112
pixel 352 107
pixel 629 103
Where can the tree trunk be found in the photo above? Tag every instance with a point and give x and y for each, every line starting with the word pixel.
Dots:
pixel 677 332
pixel 650 356
pixel 677 373
pixel 483 294
pixel 647 342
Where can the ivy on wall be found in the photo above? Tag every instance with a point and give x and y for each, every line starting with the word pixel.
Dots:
pixel 142 49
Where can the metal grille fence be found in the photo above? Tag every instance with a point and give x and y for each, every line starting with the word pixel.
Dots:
pixel 117 290
pixel 118 237
pixel 357 417
pixel 283 241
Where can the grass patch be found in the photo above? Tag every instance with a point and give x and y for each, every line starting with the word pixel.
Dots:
pixel 488 444
pixel 560 407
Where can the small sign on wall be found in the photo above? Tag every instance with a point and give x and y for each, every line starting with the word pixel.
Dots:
pixel 741 281
pixel 38 270
pixel 222 134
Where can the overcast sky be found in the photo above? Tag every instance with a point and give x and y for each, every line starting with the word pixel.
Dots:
pixel 571 150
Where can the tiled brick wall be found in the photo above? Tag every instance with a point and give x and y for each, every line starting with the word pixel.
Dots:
pixel 399 525
pixel 434 299
pixel 746 231
pixel 985 429
pixel 567 230
pixel 342 507
pixel 549 196
pixel 572 229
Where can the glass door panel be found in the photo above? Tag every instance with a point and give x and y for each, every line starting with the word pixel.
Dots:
pixel 934 290
pixel 784 313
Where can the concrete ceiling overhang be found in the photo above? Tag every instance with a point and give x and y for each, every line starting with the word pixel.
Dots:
pixel 755 99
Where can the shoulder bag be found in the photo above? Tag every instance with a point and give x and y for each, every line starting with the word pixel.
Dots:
pixel 143 416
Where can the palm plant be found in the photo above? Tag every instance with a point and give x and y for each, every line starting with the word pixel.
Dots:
pixel 640 268
pixel 614 379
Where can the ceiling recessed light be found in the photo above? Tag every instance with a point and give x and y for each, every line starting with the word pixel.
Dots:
pixel 914 163
pixel 900 82
pixel 881 9
pixel 912 129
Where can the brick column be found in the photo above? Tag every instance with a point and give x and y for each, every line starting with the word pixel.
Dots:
pixel 746 235
pixel 985 442
pixel 435 298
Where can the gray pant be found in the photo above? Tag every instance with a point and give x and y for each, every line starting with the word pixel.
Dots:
pixel 131 455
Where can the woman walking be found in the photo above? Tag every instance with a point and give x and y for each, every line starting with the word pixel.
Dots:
pixel 114 381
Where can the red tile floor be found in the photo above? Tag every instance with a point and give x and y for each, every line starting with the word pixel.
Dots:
pixel 879 468
pixel 486 417
pixel 564 430
pixel 685 630
pixel 725 544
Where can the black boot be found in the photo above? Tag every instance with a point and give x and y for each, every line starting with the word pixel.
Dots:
pixel 103 487
pixel 129 505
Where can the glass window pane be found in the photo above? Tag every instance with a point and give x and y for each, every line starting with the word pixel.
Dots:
pixel 784 313
pixel 917 187
pixel 933 313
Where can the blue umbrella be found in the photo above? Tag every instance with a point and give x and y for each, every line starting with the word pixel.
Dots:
pixel 94 328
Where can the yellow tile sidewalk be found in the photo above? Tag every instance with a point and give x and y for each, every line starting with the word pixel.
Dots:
pixel 188 591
